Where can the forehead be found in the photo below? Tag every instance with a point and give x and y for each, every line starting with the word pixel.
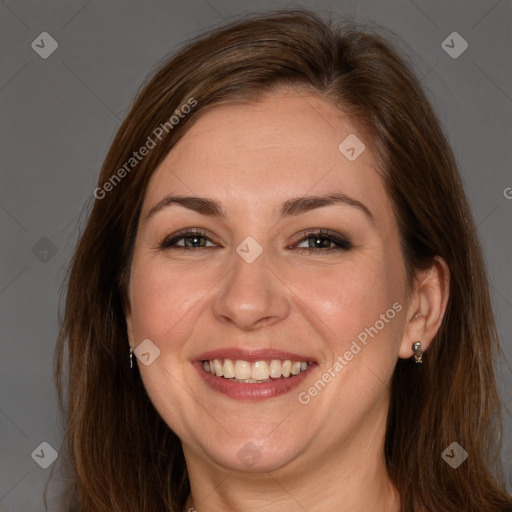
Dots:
pixel 285 145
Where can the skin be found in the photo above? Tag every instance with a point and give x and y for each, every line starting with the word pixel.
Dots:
pixel 327 454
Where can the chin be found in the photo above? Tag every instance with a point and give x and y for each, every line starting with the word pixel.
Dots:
pixel 249 457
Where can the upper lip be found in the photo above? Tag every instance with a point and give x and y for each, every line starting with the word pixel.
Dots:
pixel 251 355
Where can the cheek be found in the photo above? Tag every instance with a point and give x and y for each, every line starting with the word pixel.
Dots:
pixel 348 301
pixel 339 300
pixel 163 299
pixel 349 293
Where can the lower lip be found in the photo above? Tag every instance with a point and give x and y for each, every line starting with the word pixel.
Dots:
pixel 254 391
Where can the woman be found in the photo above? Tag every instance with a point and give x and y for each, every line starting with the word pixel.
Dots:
pixel 279 301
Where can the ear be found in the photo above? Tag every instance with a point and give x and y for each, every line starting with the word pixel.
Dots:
pixel 426 307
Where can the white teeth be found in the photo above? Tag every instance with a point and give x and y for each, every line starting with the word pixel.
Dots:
pixel 286 370
pixel 275 368
pixel 256 371
pixel 218 368
pixel 229 369
pixel 260 370
pixel 242 369
pixel 295 368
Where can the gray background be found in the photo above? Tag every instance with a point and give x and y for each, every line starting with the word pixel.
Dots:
pixel 59 115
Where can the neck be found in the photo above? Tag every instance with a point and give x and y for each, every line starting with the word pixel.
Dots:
pixel 233 492
pixel 350 478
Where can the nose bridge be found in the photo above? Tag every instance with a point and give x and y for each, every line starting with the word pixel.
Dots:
pixel 251 295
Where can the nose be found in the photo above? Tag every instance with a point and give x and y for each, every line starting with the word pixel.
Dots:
pixel 252 296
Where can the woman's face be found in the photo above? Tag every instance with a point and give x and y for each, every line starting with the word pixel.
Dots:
pixel 257 288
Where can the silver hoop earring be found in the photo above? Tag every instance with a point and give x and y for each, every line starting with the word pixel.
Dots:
pixel 131 358
pixel 418 352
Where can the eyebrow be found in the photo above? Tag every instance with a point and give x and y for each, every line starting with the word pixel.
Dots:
pixel 291 207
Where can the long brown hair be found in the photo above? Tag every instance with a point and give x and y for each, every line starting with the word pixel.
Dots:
pixel 119 453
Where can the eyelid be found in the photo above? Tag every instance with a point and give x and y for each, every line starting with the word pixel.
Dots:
pixel 318 231
pixel 167 242
pixel 340 241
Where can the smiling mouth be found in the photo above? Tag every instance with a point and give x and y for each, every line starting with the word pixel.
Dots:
pixel 254 372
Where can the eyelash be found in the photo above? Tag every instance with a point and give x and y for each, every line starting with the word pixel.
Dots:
pixel 341 243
